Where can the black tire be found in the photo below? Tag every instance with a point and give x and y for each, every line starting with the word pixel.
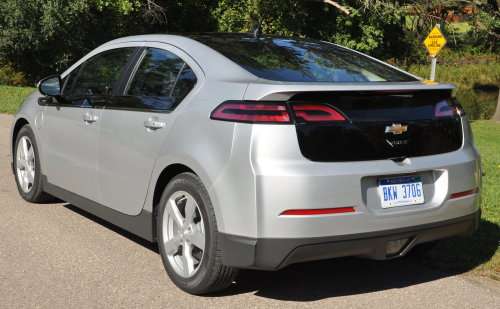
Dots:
pixel 212 275
pixel 35 194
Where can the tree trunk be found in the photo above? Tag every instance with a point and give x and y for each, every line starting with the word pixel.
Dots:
pixel 497 113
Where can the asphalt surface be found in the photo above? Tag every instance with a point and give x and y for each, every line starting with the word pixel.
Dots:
pixel 56 256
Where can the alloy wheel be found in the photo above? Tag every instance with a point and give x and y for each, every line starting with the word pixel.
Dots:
pixel 183 234
pixel 25 164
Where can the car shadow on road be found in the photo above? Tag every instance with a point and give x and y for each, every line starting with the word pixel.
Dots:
pixel 337 277
pixel 352 276
pixel 146 244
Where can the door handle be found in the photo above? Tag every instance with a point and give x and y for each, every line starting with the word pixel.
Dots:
pixel 89 118
pixel 154 124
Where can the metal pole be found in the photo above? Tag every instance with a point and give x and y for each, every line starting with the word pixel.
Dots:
pixel 433 69
pixel 434 62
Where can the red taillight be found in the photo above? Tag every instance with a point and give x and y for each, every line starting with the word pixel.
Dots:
pixel 464 193
pixel 274 112
pixel 312 212
pixel 252 112
pixel 316 113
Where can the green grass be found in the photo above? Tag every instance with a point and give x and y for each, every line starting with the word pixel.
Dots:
pixel 12 97
pixel 460 27
pixel 479 252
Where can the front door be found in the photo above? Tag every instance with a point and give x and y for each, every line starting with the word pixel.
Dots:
pixel 71 138
pixel 72 124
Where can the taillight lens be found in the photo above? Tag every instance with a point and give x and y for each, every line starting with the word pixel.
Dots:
pixel 316 113
pixel 252 112
pixel 275 112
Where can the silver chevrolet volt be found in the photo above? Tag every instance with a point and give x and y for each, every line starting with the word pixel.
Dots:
pixel 235 151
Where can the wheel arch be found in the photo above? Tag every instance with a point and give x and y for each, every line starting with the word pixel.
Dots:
pixel 167 174
pixel 18 125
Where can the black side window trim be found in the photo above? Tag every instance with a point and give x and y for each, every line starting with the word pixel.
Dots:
pixel 130 70
pixel 177 79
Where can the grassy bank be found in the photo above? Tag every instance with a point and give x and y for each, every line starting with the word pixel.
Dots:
pixel 12 97
pixel 477 85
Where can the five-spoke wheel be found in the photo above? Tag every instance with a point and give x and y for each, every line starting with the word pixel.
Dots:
pixel 25 164
pixel 188 237
pixel 27 167
pixel 183 233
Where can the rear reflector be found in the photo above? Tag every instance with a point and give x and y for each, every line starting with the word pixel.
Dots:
pixel 252 112
pixel 464 193
pixel 312 212
pixel 316 113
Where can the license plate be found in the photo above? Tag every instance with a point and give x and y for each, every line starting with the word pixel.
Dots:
pixel 401 191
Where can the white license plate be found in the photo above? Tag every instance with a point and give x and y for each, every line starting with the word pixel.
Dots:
pixel 400 191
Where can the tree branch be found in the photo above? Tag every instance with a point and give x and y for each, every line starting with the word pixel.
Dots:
pixel 155 12
pixel 341 8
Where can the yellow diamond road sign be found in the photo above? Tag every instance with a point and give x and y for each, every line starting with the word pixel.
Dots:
pixel 434 42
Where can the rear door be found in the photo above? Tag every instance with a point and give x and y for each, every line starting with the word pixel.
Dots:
pixel 71 126
pixel 135 124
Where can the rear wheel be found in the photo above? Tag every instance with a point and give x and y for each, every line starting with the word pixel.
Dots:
pixel 27 167
pixel 187 237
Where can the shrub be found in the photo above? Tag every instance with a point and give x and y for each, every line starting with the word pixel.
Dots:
pixel 9 76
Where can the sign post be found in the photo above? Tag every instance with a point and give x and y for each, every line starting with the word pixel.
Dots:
pixel 434 42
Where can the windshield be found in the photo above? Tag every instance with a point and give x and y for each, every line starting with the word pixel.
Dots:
pixel 298 60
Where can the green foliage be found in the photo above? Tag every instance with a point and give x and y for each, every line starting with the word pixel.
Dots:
pixel 378 30
pixel 40 37
pixel 44 36
pixel 9 76
pixel 122 6
pixel 486 30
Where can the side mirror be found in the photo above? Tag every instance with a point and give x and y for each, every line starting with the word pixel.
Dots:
pixel 50 86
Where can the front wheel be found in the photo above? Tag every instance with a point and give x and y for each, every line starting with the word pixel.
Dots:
pixel 187 237
pixel 27 167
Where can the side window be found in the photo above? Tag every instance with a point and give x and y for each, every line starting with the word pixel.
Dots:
pixel 69 80
pixel 99 75
pixel 161 81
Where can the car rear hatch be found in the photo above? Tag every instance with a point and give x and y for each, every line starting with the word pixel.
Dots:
pixel 385 122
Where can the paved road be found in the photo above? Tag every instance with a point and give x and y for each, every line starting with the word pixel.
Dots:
pixel 55 256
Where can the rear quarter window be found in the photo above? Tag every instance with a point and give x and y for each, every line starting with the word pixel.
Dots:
pixel 162 81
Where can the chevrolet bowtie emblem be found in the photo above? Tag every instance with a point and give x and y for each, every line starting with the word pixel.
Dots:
pixel 396 129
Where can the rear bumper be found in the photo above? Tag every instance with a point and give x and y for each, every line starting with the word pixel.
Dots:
pixel 273 254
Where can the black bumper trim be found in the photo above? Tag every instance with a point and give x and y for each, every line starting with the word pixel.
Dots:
pixel 276 253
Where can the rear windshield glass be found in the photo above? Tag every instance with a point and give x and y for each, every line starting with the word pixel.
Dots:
pixel 297 60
